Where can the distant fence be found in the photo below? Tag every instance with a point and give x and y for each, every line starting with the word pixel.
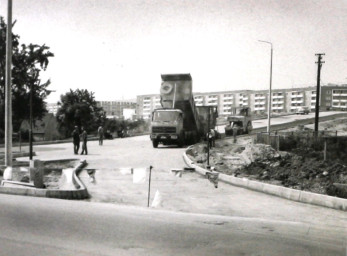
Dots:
pixel 331 145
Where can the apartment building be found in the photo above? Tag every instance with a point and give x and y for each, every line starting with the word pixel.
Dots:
pixel 116 109
pixel 52 108
pixel 282 100
pixel 334 97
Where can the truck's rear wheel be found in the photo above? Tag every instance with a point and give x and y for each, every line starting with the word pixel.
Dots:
pixel 155 143
pixel 181 141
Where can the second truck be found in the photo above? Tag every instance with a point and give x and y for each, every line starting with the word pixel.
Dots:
pixel 179 122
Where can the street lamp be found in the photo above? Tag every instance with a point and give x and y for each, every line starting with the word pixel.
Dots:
pixel 270 96
pixel 8 92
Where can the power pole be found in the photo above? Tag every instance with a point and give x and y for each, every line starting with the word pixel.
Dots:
pixel 8 92
pixel 208 138
pixel 320 63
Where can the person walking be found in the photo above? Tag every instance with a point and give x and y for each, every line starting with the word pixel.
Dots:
pixel 76 140
pixel 84 142
pixel 235 131
pixel 101 135
pixel 213 138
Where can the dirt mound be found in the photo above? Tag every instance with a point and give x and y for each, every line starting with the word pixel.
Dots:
pixel 300 169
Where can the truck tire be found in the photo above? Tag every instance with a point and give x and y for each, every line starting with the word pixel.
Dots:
pixel 181 140
pixel 180 143
pixel 155 143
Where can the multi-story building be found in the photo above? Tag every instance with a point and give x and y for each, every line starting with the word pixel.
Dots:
pixel 334 97
pixel 282 100
pixel 52 108
pixel 116 109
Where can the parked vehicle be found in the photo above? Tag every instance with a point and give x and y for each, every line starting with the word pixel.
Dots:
pixel 179 121
pixel 302 111
pixel 240 121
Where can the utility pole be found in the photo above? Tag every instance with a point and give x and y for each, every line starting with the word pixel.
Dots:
pixel 208 138
pixel 320 62
pixel 8 92
pixel 270 90
pixel 31 123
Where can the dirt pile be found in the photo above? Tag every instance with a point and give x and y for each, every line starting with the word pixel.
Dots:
pixel 261 162
pixel 301 173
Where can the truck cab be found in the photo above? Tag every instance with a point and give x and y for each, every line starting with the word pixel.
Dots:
pixel 167 127
pixel 240 121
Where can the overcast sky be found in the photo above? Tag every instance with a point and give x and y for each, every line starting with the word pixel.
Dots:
pixel 119 48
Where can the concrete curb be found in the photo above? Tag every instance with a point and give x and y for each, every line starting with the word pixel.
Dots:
pixel 287 193
pixel 79 193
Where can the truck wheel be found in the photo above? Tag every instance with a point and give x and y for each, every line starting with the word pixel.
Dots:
pixel 155 143
pixel 180 143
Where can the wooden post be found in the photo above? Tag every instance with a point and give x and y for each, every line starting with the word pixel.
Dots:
pixel 149 185
pixel 325 149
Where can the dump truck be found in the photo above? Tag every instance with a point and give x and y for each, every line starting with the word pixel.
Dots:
pixel 240 121
pixel 178 121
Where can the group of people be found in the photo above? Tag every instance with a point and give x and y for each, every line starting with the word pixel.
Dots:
pixel 76 137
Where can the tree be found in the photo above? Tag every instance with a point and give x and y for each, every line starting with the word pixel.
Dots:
pixel 27 63
pixel 79 108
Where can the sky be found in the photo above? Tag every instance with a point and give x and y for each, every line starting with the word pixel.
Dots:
pixel 119 48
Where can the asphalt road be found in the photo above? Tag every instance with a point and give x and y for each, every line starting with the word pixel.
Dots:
pixel 40 226
pixel 201 220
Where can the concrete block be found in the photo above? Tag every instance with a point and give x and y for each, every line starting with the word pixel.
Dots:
pixel 241 182
pixel 271 189
pixel 288 193
pixel 256 185
pixel 317 199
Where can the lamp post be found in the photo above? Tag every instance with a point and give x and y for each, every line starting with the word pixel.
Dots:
pixel 8 92
pixel 31 122
pixel 270 96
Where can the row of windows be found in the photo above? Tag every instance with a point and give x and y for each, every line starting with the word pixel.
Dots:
pixel 339 91
pixel 110 103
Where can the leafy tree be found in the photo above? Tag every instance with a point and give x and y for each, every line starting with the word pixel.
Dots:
pixel 27 63
pixel 79 108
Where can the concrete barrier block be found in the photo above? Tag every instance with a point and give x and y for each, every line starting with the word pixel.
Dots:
pixel 241 182
pixel 317 199
pixel 288 193
pixel 255 185
pixel 271 189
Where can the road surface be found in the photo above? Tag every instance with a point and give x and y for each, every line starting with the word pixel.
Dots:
pixel 40 226
pixel 193 219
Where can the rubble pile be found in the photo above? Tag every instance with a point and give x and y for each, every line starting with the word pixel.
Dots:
pixel 298 170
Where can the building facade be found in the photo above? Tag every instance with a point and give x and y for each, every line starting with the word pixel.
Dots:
pixel 117 109
pixel 333 97
pixel 52 108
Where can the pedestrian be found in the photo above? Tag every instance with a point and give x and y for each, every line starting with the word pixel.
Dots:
pixel 101 135
pixel 235 131
pixel 213 138
pixel 209 139
pixel 84 141
pixel 76 140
